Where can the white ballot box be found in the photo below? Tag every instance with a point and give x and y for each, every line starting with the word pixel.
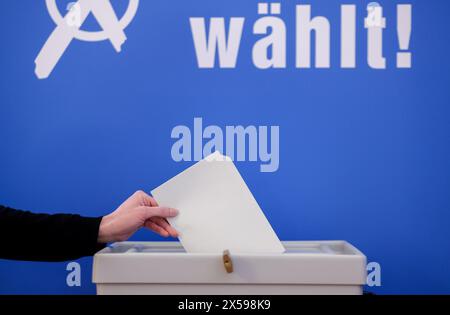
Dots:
pixel 306 267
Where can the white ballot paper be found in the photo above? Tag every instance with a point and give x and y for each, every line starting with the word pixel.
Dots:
pixel 217 211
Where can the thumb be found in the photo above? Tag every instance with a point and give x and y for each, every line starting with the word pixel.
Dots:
pixel 163 212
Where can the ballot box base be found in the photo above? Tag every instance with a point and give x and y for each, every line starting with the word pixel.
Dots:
pixel 226 289
pixel 307 267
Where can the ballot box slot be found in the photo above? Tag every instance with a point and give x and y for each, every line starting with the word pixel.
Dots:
pixel 325 248
pixel 318 248
pixel 145 247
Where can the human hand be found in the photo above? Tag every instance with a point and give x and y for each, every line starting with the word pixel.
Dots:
pixel 139 210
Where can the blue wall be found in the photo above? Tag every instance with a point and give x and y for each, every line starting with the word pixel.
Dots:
pixel 364 154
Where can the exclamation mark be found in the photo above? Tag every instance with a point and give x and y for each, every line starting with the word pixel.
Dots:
pixel 404 19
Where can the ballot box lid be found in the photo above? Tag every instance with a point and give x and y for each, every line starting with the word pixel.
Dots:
pixel 303 262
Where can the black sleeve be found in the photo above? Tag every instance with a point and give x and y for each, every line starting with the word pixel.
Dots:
pixel 44 237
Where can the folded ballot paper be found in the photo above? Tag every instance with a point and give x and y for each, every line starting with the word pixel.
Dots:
pixel 217 211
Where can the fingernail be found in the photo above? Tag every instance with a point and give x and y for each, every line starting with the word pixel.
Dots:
pixel 174 212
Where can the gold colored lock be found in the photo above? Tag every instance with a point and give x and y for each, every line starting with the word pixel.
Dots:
pixel 227 262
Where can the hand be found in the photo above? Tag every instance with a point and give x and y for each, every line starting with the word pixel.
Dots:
pixel 139 210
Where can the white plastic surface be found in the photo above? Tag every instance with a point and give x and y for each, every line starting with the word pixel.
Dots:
pixel 323 267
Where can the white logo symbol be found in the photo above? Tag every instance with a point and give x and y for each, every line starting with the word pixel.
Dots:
pixel 73 18
pixel 68 28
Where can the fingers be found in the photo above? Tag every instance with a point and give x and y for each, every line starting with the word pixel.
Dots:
pixel 156 228
pixel 145 199
pixel 165 225
pixel 163 212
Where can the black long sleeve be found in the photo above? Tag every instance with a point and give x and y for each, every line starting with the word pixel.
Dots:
pixel 44 237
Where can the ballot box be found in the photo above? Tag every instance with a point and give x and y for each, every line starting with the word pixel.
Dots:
pixel 306 267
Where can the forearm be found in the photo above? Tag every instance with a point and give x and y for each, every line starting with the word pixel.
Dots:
pixel 44 237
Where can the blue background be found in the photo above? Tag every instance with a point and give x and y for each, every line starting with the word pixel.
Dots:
pixel 365 154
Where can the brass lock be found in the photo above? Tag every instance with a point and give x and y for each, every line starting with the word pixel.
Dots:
pixel 227 262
